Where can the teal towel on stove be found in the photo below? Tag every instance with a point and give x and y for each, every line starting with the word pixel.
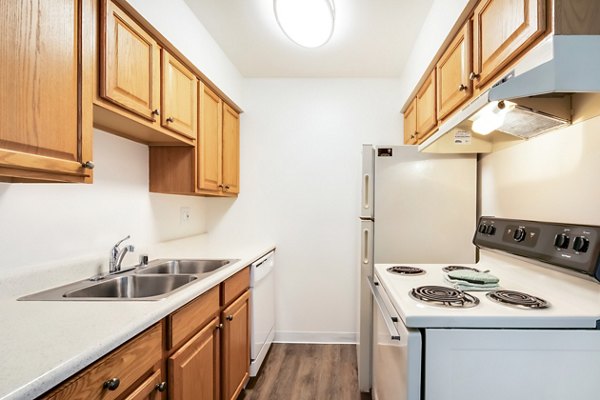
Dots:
pixel 472 280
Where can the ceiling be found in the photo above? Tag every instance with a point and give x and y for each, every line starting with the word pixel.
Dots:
pixel 372 38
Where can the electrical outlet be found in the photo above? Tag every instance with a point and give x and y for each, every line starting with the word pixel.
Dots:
pixel 185 215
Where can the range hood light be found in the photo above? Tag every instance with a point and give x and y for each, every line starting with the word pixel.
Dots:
pixel 308 23
pixel 491 117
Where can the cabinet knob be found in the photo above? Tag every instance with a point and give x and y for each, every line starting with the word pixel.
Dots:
pixel 170 119
pixel 229 318
pixel 161 387
pixel 112 384
pixel 156 112
pixel 88 165
pixel 412 136
pixel 226 187
pixel 462 87
pixel 220 186
pixel 220 326
pixel 473 76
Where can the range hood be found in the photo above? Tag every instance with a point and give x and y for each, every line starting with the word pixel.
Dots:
pixel 534 98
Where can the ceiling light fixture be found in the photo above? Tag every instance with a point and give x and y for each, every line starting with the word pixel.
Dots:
pixel 308 23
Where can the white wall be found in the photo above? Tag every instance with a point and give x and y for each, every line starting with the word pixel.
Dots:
pixel 553 177
pixel 176 21
pixel 41 223
pixel 300 175
pixel 442 17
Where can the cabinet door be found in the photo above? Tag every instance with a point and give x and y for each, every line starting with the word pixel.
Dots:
pixel 410 123
pixel 114 376
pixel 502 29
pixel 152 388
pixel 40 133
pixel 209 140
pixel 194 368
pixel 426 108
pixel 129 67
pixel 231 150
pixel 453 69
pixel 235 356
pixel 179 97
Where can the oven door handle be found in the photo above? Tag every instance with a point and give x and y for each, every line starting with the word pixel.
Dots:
pixel 387 318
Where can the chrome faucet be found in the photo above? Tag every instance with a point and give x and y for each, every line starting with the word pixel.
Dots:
pixel 117 255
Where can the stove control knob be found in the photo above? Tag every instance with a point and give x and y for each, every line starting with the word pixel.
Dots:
pixel 490 230
pixel 519 234
pixel 561 241
pixel 581 244
pixel 482 228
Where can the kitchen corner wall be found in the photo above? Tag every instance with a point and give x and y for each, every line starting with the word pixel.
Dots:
pixel 553 177
pixel 43 223
pixel 300 175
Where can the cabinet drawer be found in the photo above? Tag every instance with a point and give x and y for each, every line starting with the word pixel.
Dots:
pixel 127 364
pixel 235 286
pixel 190 318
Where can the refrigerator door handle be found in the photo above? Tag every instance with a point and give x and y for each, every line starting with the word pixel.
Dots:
pixel 366 199
pixel 366 259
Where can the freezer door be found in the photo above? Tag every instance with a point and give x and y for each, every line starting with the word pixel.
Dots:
pixel 425 206
pixel 366 197
pixel 366 302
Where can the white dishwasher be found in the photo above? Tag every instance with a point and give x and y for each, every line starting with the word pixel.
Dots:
pixel 262 310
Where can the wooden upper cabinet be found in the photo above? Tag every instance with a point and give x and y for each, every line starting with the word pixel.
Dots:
pixel 42 137
pixel 209 140
pixel 410 123
pixel 426 108
pixel 452 72
pixel 179 97
pixel 231 150
pixel 502 29
pixel 129 67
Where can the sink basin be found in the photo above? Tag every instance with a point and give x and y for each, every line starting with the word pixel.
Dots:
pixel 133 287
pixel 183 266
pixel 154 282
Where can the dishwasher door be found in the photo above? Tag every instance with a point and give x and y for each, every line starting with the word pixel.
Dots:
pixel 396 352
pixel 262 310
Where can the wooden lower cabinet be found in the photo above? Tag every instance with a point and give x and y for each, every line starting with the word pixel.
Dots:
pixel 122 373
pixel 199 352
pixel 194 368
pixel 236 347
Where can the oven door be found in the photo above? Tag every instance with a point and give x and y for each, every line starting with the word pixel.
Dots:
pixel 396 352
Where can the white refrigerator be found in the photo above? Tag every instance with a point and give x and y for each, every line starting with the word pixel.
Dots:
pixel 415 208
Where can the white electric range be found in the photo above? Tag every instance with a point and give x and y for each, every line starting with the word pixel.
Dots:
pixel 474 345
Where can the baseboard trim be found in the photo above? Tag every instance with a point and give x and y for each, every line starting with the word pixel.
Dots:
pixel 315 337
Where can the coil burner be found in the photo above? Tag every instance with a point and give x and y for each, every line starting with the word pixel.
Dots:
pixel 517 299
pixel 451 268
pixel 406 270
pixel 443 296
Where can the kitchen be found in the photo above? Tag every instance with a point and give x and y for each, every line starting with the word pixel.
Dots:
pixel 285 194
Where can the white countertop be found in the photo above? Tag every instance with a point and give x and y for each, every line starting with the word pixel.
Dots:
pixel 44 342
pixel 574 300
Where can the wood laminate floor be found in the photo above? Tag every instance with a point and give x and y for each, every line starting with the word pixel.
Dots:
pixel 306 372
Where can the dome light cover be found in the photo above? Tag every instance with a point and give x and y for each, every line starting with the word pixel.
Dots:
pixel 308 23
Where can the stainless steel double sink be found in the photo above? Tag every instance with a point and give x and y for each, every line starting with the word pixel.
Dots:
pixel 157 280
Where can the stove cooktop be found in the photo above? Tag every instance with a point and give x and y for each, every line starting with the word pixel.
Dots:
pixel 557 300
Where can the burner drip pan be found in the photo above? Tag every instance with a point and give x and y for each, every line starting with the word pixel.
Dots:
pixel 517 299
pixel 406 270
pixel 443 296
